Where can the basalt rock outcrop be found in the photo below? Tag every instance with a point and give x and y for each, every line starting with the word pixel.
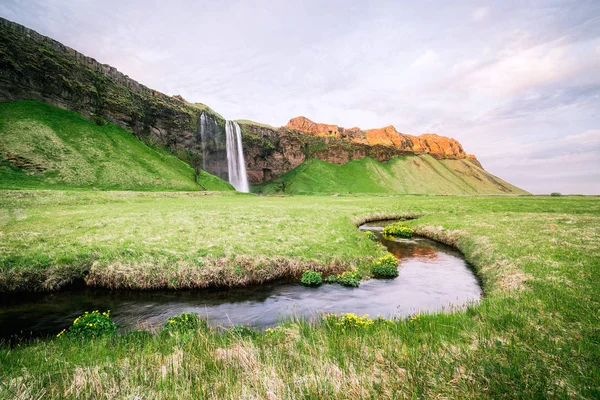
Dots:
pixel 430 143
pixel 270 152
pixel 35 67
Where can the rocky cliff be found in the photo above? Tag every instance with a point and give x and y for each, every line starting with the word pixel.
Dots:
pixel 429 143
pixel 35 67
pixel 270 152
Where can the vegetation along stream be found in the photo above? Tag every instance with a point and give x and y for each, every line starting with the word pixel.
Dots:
pixel 433 277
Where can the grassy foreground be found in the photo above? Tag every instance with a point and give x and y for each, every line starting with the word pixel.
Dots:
pixel 535 335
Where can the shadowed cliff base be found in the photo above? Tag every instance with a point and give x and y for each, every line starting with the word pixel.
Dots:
pixel 420 174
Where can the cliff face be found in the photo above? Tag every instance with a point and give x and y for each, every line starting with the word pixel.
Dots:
pixel 35 67
pixel 270 152
pixel 430 143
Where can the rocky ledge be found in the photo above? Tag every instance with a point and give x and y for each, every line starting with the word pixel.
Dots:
pixel 435 145
pixel 270 152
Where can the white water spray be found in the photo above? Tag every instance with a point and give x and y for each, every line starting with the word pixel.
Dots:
pixel 235 157
pixel 203 139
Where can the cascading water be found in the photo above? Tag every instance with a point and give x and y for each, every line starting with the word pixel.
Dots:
pixel 203 139
pixel 236 164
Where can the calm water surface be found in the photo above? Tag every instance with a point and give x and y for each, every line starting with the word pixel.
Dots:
pixel 433 277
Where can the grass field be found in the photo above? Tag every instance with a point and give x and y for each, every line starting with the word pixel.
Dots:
pixel 535 334
pixel 420 174
pixel 46 147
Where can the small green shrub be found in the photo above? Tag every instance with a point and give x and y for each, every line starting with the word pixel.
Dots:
pixel 398 230
pixel 348 320
pixel 92 324
pixel 556 194
pixel 182 323
pixel 385 267
pixel 415 318
pixel 311 278
pixel 370 235
pixel 348 278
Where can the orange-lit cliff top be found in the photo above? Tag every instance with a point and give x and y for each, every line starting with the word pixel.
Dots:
pixel 431 143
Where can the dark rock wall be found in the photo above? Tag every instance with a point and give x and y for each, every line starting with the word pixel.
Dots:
pixel 213 145
pixel 35 67
pixel 271 152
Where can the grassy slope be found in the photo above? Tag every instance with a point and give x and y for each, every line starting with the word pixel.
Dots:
pixel 405 175
pixel 534 335
pixel 62 149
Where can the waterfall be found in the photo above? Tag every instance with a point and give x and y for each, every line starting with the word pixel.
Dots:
pixel 235 157
pixel 203 139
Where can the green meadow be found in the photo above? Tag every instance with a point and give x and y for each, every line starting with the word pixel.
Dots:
pixel 535 334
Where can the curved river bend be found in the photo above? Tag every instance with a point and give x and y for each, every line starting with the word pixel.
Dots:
pixel 433 277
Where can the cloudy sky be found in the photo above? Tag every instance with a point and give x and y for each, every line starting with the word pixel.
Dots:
pixel 516 82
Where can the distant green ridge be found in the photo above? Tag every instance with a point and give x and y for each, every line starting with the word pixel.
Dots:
pixel 42 146
pixel 420 174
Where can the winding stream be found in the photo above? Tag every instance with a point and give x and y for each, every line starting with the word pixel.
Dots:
pixel 433 277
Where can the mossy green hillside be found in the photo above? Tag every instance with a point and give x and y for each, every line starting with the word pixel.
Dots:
pixel 46 147
pixel 420 174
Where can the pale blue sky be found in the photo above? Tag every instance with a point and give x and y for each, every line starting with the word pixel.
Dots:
pixel 516 82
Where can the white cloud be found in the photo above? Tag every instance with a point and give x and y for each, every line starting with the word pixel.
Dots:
pixel 480 13
pixel 516 68
pixel 464 66
pixel 426 59
pixel 587 138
